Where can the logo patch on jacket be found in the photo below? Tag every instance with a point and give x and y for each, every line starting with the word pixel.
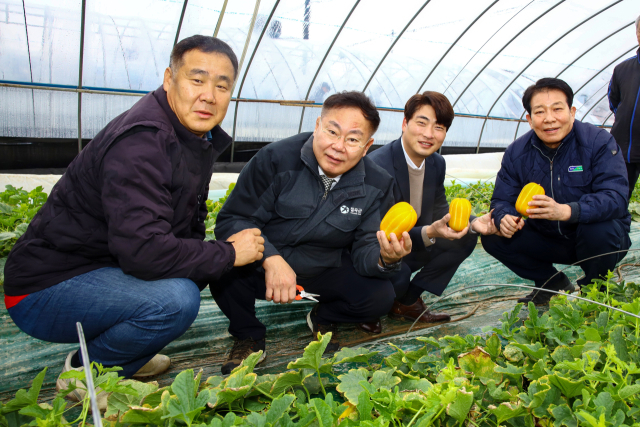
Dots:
pixel 347 210
pixel 575 168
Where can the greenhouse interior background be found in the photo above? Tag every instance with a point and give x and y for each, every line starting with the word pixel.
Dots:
pixel 67 67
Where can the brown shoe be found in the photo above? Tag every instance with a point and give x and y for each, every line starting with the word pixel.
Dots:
pixel 373 328
pixel 415 310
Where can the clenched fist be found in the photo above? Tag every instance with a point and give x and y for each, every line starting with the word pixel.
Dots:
pixel 249 246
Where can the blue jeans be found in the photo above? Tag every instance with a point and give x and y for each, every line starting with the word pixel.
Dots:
pixel 126 321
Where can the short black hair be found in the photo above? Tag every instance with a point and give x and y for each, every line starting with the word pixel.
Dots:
pixel 206 44
pixel 543 85
pixel 439 103
pixel 354 99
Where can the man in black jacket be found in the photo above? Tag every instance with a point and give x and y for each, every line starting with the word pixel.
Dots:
pixel 624 92
pixel 318 202
pixel 419 173
pixel 119 243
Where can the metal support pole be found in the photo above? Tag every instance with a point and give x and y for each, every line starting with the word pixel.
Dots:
pixel 80 67
pixel 246 72
pixel 184 9
pixel 307 18
pixel 324 59
pixel 224 8
pixel 504 47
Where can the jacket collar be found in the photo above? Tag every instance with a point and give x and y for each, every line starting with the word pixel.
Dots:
pixel 567 140
pixel 216 136
pixel 354 176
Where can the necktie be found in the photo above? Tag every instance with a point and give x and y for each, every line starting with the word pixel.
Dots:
pixel 327 182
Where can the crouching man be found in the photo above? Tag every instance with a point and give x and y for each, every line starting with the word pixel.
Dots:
pixel 318 202
pixel 419 173
pixel 118 246
pixel 584 210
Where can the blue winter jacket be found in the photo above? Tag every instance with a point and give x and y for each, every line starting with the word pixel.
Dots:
pixel 587 171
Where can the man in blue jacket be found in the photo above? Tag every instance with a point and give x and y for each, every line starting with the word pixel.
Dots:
pixel 584 210
pixel 624 93
pixel 418 172
pixel 318 203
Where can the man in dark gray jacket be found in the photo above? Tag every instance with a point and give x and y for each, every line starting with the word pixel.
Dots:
pixel 119 243
pixel 624 93
pixel 318 202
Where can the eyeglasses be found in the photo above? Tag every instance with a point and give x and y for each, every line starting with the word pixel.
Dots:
pixel 350 143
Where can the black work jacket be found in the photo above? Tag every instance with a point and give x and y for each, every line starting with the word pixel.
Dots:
pixel 280 192
pixel 133 198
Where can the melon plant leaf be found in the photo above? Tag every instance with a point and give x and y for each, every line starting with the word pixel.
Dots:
pixel 563 416
pixel 364 406
pixel 616 336
pixel 493 346
pixel 384 379
pixel 628 391
pixel 560 335
pixel 568 387
pixel 350 384
pixel 592 334
pixel 479 363
pixel 249 363
pixel 278 407
pixel 121 403
pixel 459 408
pixel 507 410
pixel 256 419
pixel 535 351
pixel 312 356
pixel 323 412
pixel 285 381
pixel 26 398
pixel 353 355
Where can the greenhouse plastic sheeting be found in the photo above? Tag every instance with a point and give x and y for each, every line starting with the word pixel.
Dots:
pixel 481 54
pixel 206 344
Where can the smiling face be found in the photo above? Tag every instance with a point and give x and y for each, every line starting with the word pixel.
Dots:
pixel 551 117
pixel 422 135
pixel 200 90
pixel 333 128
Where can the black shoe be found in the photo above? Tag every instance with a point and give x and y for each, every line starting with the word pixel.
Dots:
pixel 241 350
pixel 560 283
pixel 316 327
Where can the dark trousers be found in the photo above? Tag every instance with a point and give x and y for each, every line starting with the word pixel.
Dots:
pixel 633 172
pixel 345 297
pixel 531 255
pixel 438 264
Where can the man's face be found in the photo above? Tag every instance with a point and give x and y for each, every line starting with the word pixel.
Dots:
pixel 200 90
pixel 551 118
pixel 341 138
pixel 421 135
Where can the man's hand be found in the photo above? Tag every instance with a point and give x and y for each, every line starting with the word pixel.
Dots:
pixel 544 207
pixel 280 280
pixel 393 251
pixel 510 224
pixel 485 225
pixel 249 246
pixel 440 229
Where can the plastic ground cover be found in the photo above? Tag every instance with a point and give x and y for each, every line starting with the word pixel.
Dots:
pixel 207 342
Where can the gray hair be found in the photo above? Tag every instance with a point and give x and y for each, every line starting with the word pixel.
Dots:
pixel 637 20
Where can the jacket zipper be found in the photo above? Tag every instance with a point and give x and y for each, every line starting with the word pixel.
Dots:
pixel 551 169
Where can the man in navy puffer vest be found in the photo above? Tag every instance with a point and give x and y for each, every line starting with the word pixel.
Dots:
pixel 584 210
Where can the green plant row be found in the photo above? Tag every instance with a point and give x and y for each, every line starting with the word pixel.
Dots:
pixel 17 208
pixel 575 365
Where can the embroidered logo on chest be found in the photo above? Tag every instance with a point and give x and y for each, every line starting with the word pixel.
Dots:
pixel 347 210
pixel 575 168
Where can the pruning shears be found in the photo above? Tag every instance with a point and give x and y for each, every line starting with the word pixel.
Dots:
pixel 304 294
